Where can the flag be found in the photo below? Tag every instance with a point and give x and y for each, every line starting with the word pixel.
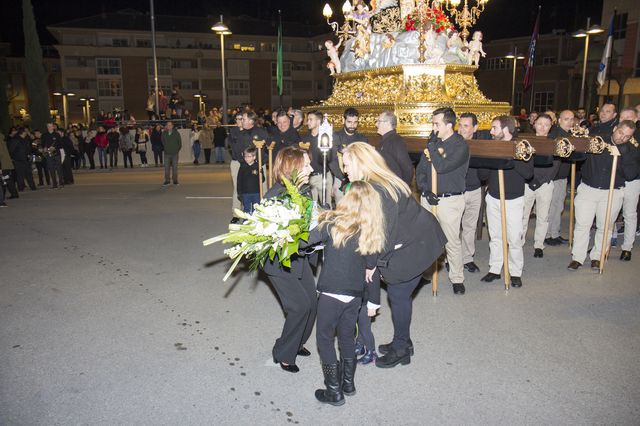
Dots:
pixel 530 59
pixel 606 55
pixel 279 56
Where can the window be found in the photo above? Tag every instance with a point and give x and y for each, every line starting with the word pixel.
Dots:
pixel 108 66
pixel 163 85
pixel 549 60
pixel 81 84
pixel 210 64
pixel 120 42
pixel 286 88
pixel 301 66
pixel 518 99
pixel 543 101
pixel 211 84
pixel 76 61
pixel 304 85
pixel 498 63
pixel 286 69
pixel 238 67
pixel 109 88
pixel 238 88
pixel 143 43
pixel 188 85
pixel 164 66
pixel 185 63
pixel 620 26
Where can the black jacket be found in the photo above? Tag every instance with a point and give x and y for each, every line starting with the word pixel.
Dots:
pixel 249 178
pixel 451 166
pixel 282 140
pixel 315 154
pixel 219 136
pixel 394 151
pixel 20 149
pixel 514 178
pixel 596 170
pixel 244 140
pixel 50 139
pixel 340 141
pixel 472 181
pixel 604 129
pixel 414 238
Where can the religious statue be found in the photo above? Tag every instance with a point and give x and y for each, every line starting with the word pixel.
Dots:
pixel 475 49
pixel 362 45
pixel 334 59
pixel 456 50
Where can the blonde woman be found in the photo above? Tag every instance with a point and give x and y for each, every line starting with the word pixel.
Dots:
pixel 413 241
pixel 352 235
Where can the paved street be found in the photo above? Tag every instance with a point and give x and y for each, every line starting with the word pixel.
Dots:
pixel 112 312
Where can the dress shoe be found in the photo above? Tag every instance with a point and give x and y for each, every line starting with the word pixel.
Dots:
pixel 561 240
pixel 304 351
pixel 551 242
pixel 538 253
pixel 516 282
pixel 360 349
pixel 458 288
pixel 625 255
pixel 291 368
pixel 574 265
pixel 595 265
pixel 383 349
pixel 235 220
pixel 393 358
pixel 368 358
pixel 471 267
pixel 490 277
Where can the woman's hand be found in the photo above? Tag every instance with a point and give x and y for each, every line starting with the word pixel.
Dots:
pixel 368 275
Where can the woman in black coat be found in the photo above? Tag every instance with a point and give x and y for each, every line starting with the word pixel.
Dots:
pixel 295 286
pixel 414 240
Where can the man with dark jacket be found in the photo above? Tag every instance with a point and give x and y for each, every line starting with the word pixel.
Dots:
pixel 314 119
pixel 20 150
pixel 283 133
pixel 608 119
pixel 171 145
pixel 52 146
pixel 502 129
pixel 448 154
pixel 393 148
pixel 6 173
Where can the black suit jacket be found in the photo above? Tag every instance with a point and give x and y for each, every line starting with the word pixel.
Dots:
pixel 394 151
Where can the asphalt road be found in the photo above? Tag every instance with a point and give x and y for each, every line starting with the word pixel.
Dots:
pixel 112 312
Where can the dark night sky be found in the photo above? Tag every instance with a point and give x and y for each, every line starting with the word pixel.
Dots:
pixel 502 18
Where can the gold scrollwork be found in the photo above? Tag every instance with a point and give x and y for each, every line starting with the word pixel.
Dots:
pixel 579 131
pixel 524 150
pixel 564 148
pixel 387 21
pixel 596 145
pixel 463 87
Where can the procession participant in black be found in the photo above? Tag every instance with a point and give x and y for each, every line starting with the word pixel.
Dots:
pixel 449 155
pixel 314 119
pixel 352 235
pixel 393 147
pixel 6 172
pixel 608 117
pixel 414 240
pixel 20 149
pixel 295 286
pixel 341 139
pixel 283 133
pixel 468 129
pixel 52 145
pixel 631 189
pixel 502 129
pixel 38 154
pixel 593 193
pixel 67 163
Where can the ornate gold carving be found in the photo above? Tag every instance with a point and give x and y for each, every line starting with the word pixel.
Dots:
pixel 596 145
pixel 564 147
pixel 387 21
pixel 579 131
pixel 524 150
pixel 463 87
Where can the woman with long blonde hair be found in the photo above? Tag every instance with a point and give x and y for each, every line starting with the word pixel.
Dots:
pixel 413 241
pixel 353 236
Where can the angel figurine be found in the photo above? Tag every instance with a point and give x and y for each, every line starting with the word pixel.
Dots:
pixel 361 15
pixel 334 59
pixel 475 49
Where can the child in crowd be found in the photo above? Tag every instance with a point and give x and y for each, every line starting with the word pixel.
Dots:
pixel 352 235
pixel 249 180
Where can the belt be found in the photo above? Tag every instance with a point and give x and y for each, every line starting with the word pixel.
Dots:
pixel 449 194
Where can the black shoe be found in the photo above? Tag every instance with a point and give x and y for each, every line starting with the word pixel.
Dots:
pixel 490 277
pixel 458 288
pixel 235 220
pixel 176 183
pixel 471 267
pixel 166 183
pixel 348 372
pixel 552 242
pixel 304 352
pixel 516 282
pixel 383 349
pixel 625 255
pixel 538 253
pixel 595 265
pixel 3 204
pixel 13 197
pixel 393 358
pixel 333 393
pixel 574 265
pixel 360 349
pixel 291 368
pixel 561 240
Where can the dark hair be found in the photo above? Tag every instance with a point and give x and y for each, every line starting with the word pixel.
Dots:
pixel 350 112
pixel 317 114
pixel 472 116
pixel 624 123
pixel 506 122
pixel 250 150
pixel 610 103
pixel 448 116
pixel 251 116
pixel 281 113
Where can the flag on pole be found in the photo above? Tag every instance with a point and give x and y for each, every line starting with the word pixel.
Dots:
pixel 279 56
pixel 530 59
pixel 603 68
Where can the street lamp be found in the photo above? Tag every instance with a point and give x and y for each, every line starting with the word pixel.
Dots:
pixel 201 97
pixel 222 30
pixel 515 58
pixel 65 109
pixel 594 29
pixel 86 109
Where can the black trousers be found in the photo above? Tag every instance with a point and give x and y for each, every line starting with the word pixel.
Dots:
pixel 55 170
pixel 90 152
pixel 67 170
pixel 43 173
pixel 365 335
pixel 401 305
pixel 24 173
pixel 127 156
pixel 157 157
pixel 299 301
pixel 207 155
pixel 336 318
pixel 113 157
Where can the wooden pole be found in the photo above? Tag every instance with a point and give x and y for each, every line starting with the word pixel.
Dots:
pixel 503 217
pixel 259 144
pixel 606 238
pixel 572 198
pixel 434 210
pixel 270 172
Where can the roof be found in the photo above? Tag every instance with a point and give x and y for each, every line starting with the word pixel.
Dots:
pixel 133 20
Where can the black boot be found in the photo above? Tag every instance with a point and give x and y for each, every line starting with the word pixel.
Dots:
pixel 348 371
pixel 333 393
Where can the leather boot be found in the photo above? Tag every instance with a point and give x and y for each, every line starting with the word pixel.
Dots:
pixel 333 393
pixel 348 371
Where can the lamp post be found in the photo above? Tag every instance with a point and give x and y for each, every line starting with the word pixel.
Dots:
pixel 515 58
pixel 65 107
pixel 594 29
pixel 86 109
pixel 222 30
pixel 200 97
